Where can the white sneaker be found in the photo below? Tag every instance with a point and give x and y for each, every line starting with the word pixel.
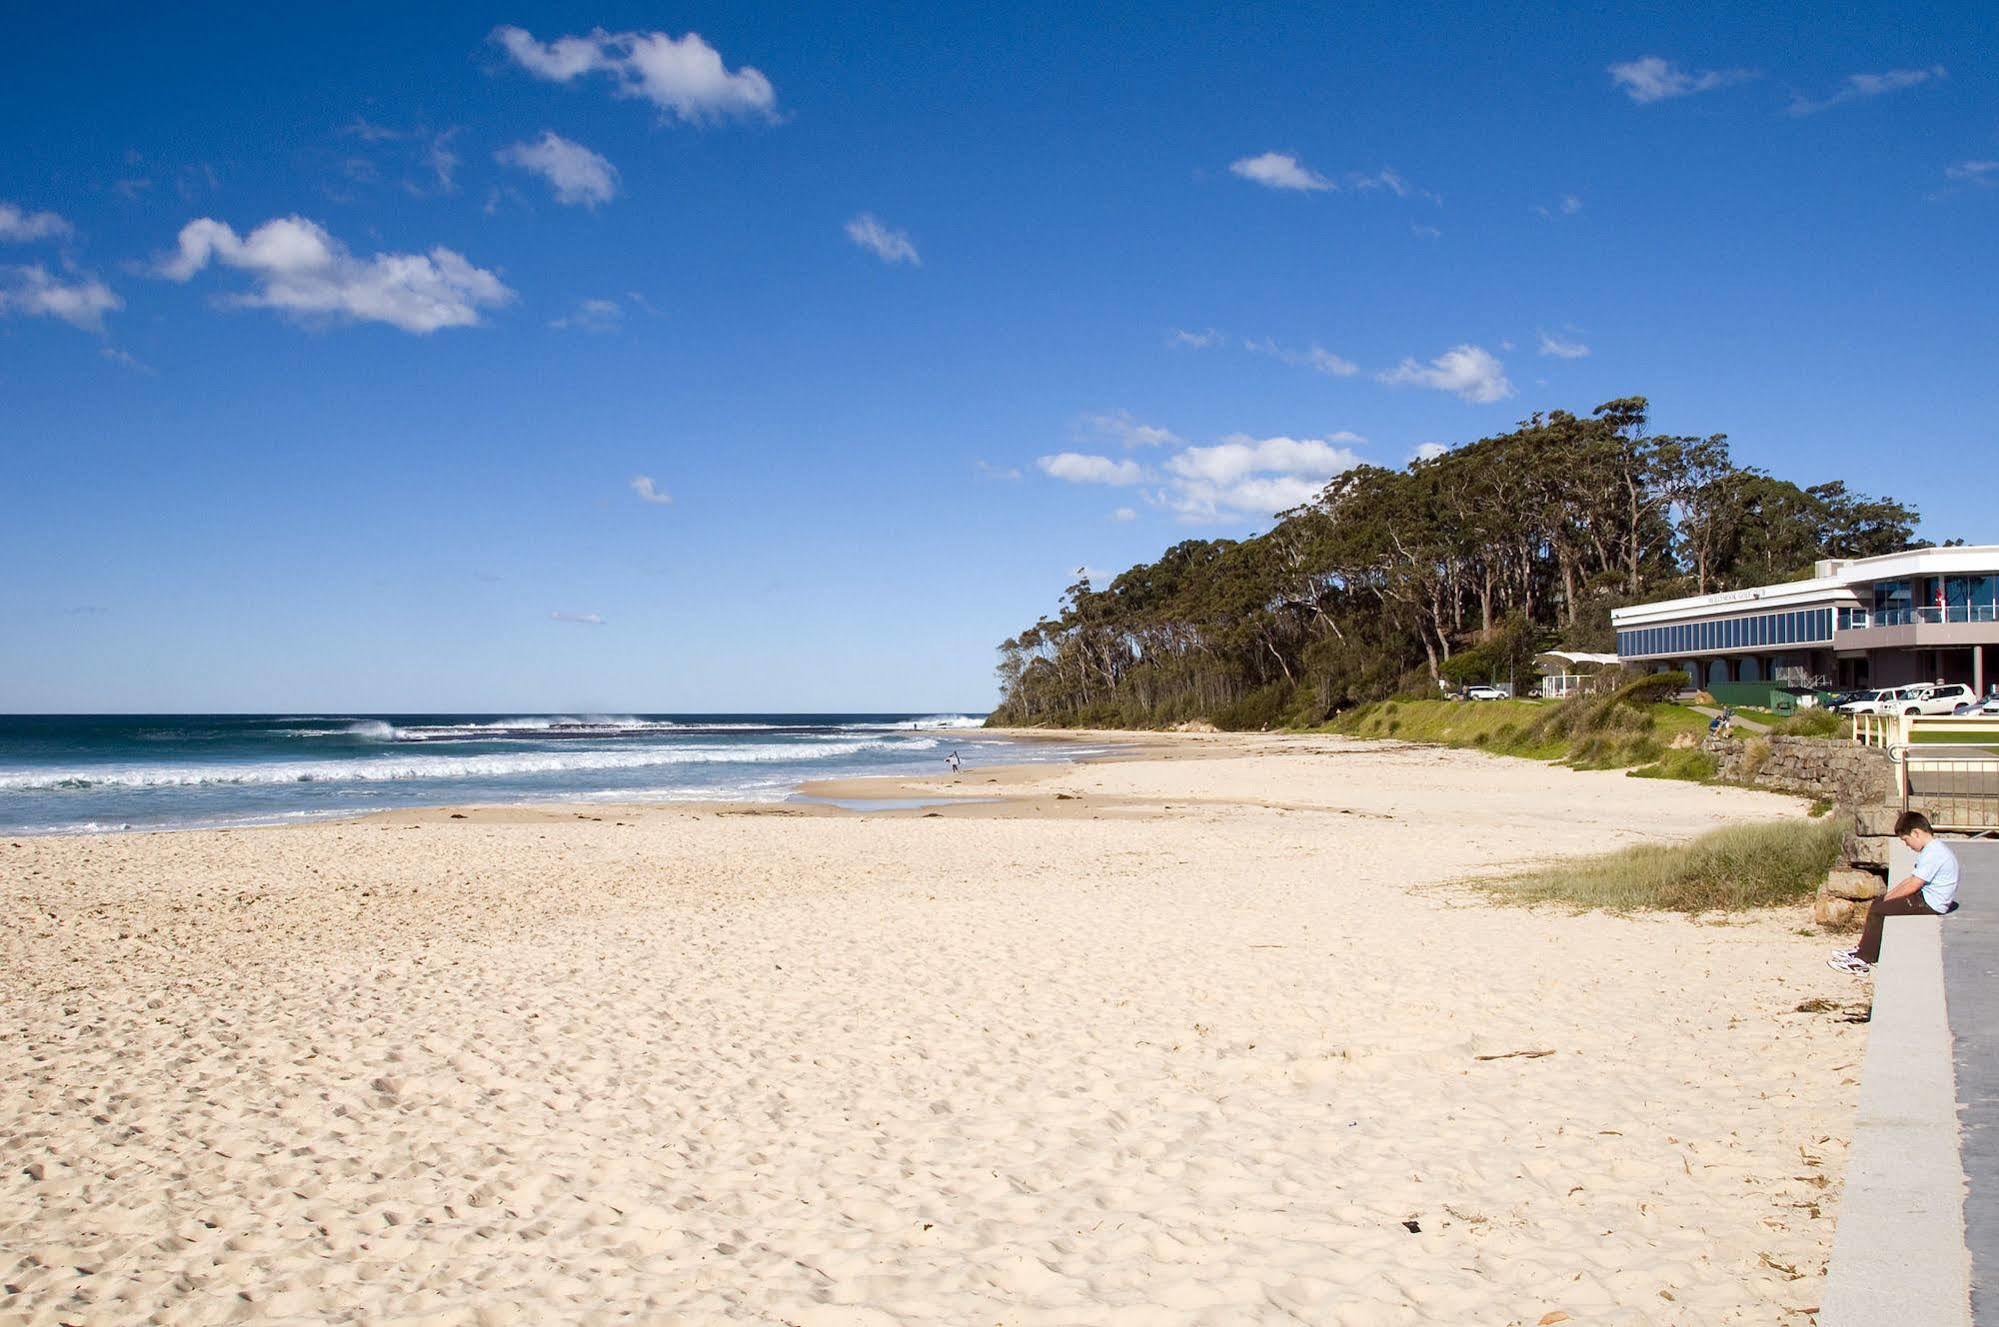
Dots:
pixel 1850 963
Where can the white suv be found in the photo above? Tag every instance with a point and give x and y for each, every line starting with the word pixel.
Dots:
pixel 1923 698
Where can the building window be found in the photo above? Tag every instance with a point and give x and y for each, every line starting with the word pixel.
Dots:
pixel 1894 603
pixel 1971 598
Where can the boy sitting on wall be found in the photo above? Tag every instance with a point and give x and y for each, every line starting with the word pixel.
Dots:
pixel 1930 891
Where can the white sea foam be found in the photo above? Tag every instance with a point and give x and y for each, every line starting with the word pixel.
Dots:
pixel 588 725
pixel 931 721
pixel 400 768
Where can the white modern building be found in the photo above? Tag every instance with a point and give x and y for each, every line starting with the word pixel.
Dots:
pixel 1858 622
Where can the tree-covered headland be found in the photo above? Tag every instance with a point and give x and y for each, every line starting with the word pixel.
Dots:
pixel 1458 568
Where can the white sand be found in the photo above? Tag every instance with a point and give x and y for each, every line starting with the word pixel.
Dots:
pixel 1059 1062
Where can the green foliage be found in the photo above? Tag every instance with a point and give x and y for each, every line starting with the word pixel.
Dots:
pixel 1812 723
pixel 1689 763
pixel 1743 866
pixel 1507 655
pixel 1460 567
pixel 1649 689
pixel 1587 732
pixel 1266 707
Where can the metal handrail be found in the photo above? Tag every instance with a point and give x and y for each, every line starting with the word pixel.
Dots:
pixel 1964 791
pixel 1860 619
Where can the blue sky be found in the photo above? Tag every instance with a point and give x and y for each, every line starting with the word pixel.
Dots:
pixel 332 351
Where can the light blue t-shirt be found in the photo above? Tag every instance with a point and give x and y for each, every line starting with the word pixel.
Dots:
pixel 1936 865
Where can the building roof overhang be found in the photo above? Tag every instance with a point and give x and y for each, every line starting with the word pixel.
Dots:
pixel 1838 585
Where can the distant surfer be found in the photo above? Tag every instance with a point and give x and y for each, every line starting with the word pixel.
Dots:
pixel 953 761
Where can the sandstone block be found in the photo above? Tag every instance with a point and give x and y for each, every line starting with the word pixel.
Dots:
pixel 1874 821
pixel 1859 886
pixel 1867 850
pixel 1834 913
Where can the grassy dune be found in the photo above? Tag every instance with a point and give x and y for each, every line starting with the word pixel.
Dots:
pixel 1593 733
pixel 1742 866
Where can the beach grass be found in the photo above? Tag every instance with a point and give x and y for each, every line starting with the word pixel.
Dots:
pixel 1595 732
pixel 1730 869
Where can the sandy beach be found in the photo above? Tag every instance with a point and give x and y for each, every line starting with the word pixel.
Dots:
pixel 1207 1034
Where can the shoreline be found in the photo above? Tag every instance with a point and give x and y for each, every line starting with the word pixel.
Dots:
pixel 560 805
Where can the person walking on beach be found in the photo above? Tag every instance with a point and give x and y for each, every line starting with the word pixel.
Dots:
pixel 1930 891
pixel 953 761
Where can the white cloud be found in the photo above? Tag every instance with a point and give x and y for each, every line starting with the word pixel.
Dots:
pixel 417 147
pixel 1240 456
pixel 1649 79
pixel 81 302
pixel 650 492
pixel 304 272
pixel 1428 451
pixel 987 470
pixel 1560 349
pixel 1467 371
pixel 1196 340
pixel 126 360
pixel 22 227
pixel 1859 87
pixel 1120 425
pixel 1245 476
pixel 1426 232
pixel 1388 179
pixel 683 76
pixel 1077 468
pixel 891 246
pixel 581 619
pixel 592 315
pixel 1316 358
pixel 1240 476
pixel 1279 170
pixel 1978 172
pixel 579 176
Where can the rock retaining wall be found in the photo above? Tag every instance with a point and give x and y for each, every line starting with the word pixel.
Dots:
pixel 1826 767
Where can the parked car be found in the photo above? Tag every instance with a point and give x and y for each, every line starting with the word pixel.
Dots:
pixel 1950 698
pixel 1920 698
pixel 1484 693
pixel 1917 698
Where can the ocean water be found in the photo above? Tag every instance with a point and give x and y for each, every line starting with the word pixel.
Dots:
pixel 101 773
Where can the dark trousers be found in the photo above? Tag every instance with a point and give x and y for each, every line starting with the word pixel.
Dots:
pixel 1911 905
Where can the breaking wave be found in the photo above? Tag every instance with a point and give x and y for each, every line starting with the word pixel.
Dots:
pixel 396 769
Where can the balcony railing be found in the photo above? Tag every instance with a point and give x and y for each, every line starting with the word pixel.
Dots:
pixel 1859 619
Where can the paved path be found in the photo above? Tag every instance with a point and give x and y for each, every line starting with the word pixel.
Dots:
pixel 1740 722
pixel 1971 984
